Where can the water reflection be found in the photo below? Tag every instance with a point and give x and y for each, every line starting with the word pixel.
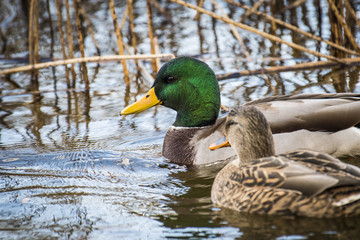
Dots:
pixel 195 211
pixel 272 227
pixel 71 167
pixel 74 194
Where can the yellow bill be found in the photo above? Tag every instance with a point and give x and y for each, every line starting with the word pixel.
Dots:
pixel 224 142
pixel 147 101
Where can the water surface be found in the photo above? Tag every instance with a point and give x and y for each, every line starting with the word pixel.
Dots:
pixel 72 168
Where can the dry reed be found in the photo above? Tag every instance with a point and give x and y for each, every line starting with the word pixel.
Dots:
pixel 234 31
pixel 293 28
pixel 130 4
pixel 70 42
pixel 62 41
pixel 151 35
pixel 82 60
pixel 119 41
pixel 81 43
pixel 258 32
pixel 34 41
pixel 342 22
pixel 297 67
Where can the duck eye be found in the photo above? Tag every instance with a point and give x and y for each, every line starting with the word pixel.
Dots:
pixel 170 79
pixel 229 123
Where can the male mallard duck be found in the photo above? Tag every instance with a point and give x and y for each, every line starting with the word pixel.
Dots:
pixel 189 86
pixel 304 183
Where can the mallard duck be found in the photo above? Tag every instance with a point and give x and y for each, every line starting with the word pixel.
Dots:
pixel 316 121
pixel 302 182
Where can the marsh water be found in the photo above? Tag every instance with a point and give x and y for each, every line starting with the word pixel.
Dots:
pixel 72 168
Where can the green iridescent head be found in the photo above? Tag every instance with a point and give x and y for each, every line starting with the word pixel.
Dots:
pixel 189 87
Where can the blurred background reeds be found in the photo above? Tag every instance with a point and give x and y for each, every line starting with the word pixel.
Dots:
pixel 66 29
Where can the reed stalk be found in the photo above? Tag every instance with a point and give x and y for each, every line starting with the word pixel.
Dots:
pixel 297 67
pixel 90 29
pixel 81 43
pixel 36 31
pixel 119 41
pixel 62 41
pixel 51 29
pixel 293 5
pixel 70 42
pixel 258 32
pixel 157 60
pixel 234 31
pixel 293 28
pixel 200 4
pixel 130 5
pixel 124 17
pixel 162 10
pixel 151 36
pixel 31 32
pixel 34 41
pixel 352 13
pixel 342 22
pixel 251 10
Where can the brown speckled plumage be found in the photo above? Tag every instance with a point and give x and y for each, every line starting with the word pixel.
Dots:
pixel 304 183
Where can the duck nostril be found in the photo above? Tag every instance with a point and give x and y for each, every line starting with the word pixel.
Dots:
pixel 147 96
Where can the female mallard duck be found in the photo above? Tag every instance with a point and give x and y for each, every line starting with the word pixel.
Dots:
pixel 315 121
pixel 304 183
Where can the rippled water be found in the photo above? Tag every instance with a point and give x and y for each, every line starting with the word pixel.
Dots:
pixel 71 167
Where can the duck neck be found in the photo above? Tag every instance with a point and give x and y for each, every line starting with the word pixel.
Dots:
pixel 197 116
pixel 247 153
pixel 258 144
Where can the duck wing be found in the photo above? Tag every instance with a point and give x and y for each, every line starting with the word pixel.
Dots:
pixel 312 176
pixel 314 112
pixel 347 174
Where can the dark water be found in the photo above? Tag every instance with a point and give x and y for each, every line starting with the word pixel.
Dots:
pixel 71 167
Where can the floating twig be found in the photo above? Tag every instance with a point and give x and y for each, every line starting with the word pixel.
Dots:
pixel 83 60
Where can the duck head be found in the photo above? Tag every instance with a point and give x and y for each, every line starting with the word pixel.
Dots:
pixel 248 132
pixel 188 86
